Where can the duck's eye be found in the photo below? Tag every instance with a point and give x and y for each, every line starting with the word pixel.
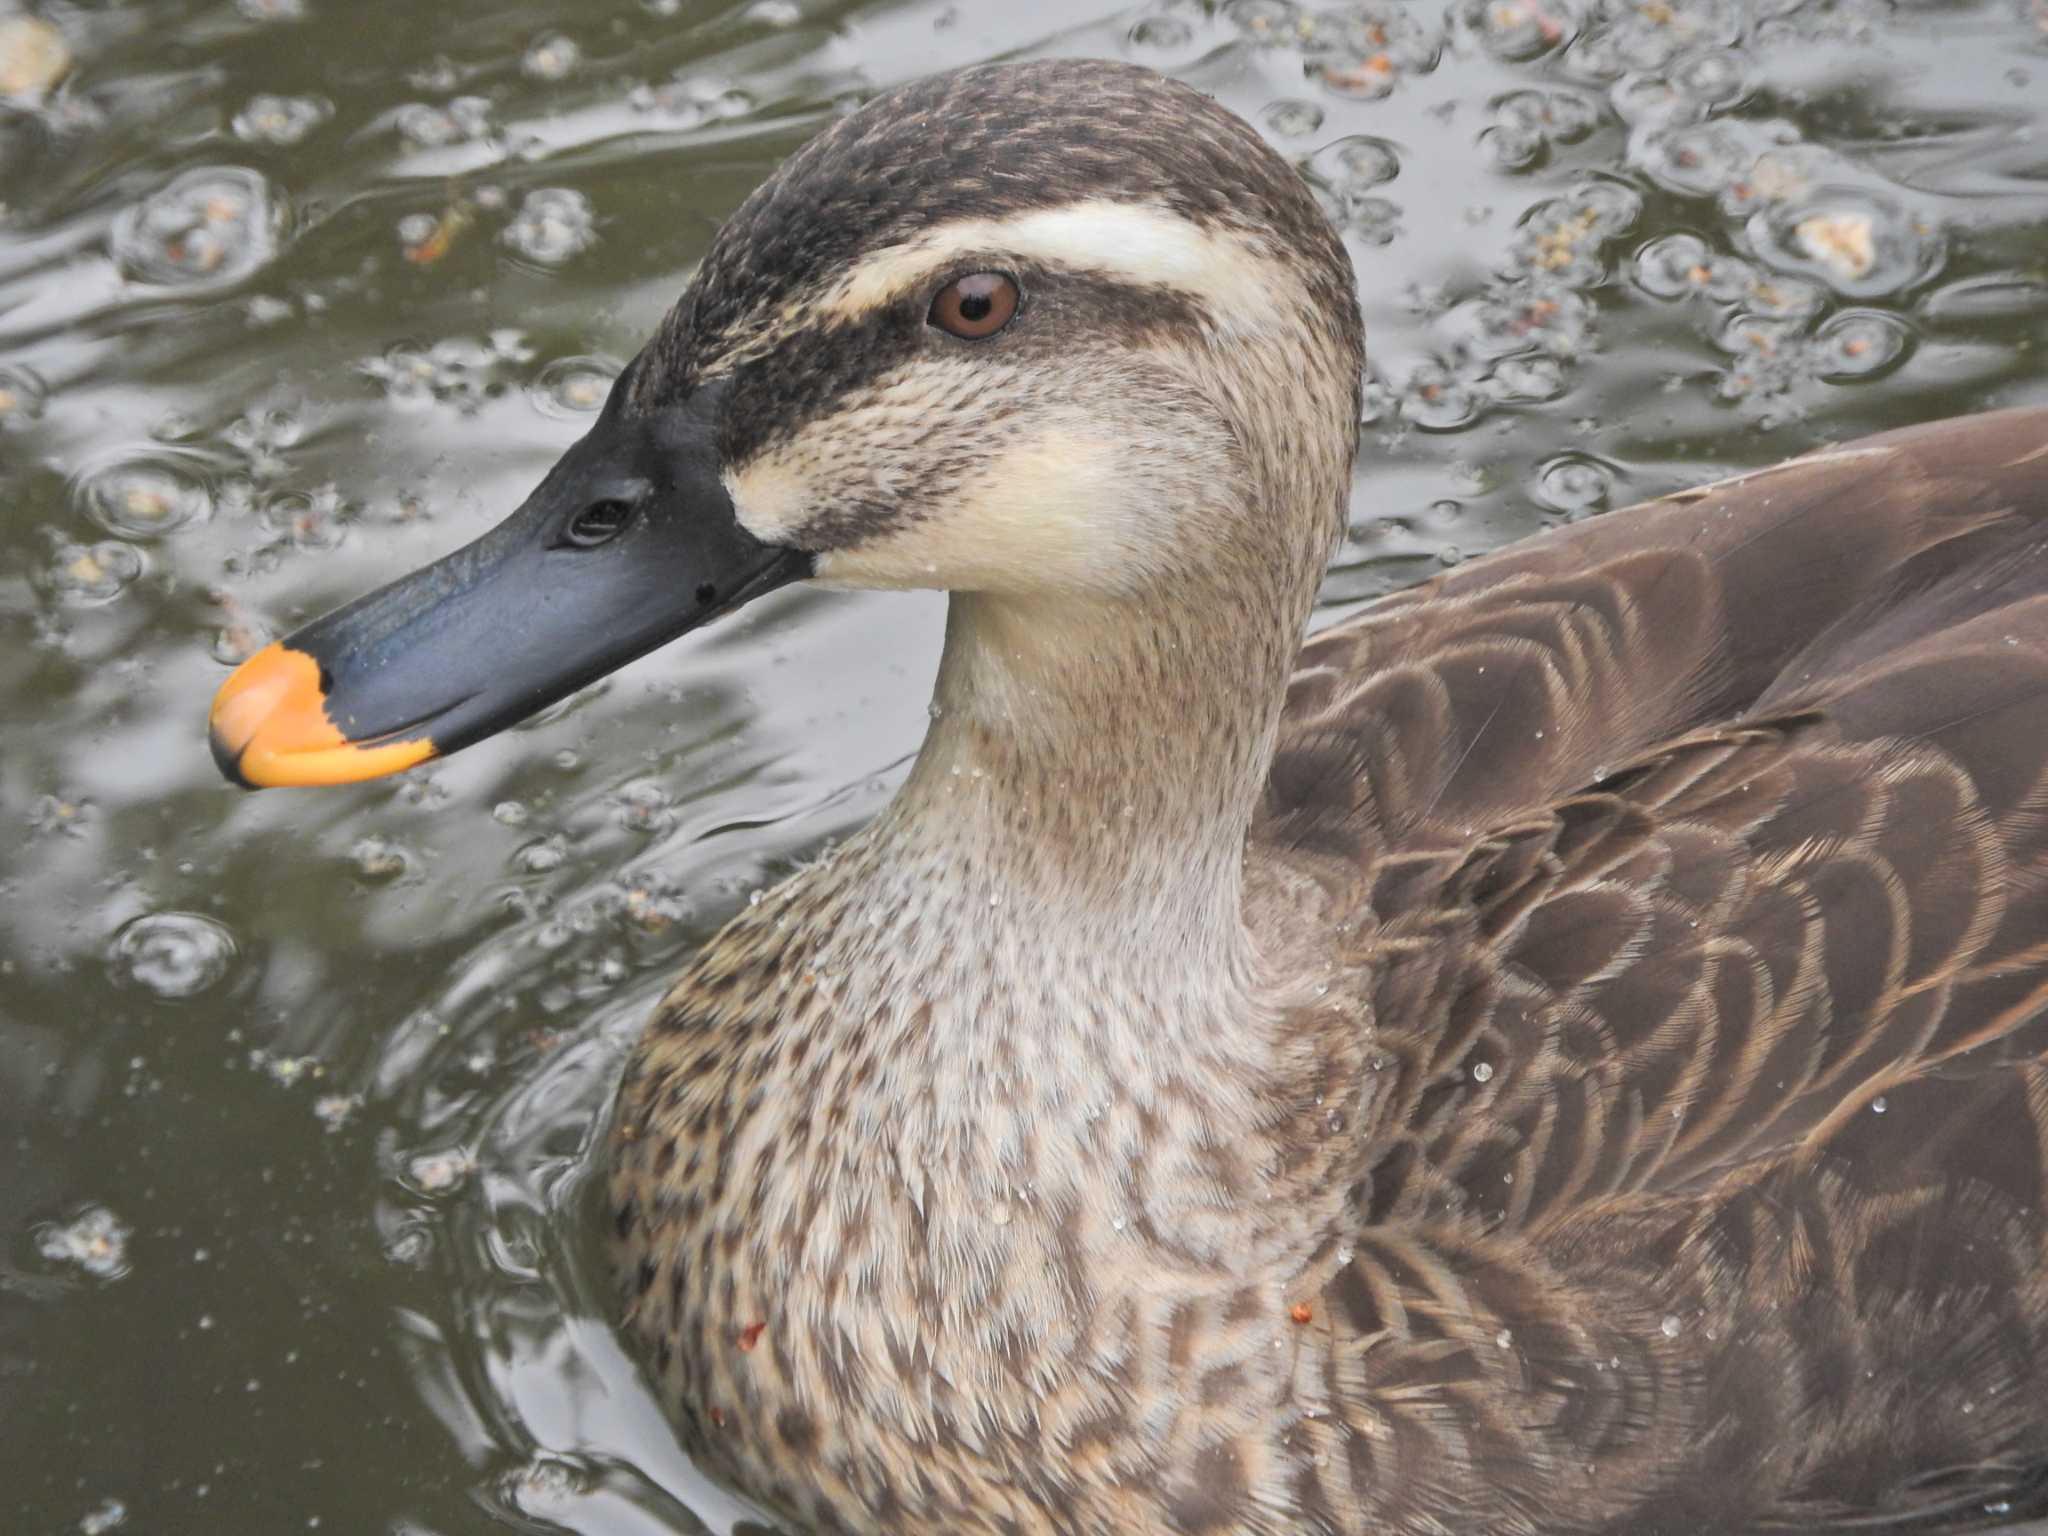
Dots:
pixel 598 523
pixel 975 306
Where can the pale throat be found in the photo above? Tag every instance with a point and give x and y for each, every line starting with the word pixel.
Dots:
pixel 1093 764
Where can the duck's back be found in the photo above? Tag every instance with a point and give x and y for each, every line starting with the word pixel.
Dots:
pixel 1695 872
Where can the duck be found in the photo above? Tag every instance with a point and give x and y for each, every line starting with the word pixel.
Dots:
pixel 1563 1049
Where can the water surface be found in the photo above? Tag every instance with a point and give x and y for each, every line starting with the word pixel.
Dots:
pixel 299 1091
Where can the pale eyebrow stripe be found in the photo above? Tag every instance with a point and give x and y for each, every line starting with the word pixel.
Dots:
pixel 1143 244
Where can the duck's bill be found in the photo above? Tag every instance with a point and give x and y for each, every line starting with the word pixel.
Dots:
pixel 629 542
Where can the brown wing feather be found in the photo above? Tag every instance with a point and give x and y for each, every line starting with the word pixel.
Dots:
pixel 1705 1143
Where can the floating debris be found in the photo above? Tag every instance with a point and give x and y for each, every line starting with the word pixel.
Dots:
pixel 426 238
pixel 108 1515
pixel 34 57
pixel 285 1071
pixel 335 1110
pixel 97 1242
pixel 436 1173
pixel 1846 243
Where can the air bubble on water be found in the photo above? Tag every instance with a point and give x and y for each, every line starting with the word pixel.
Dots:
pixel 1859 244
pixel 1861 344
pixel 543 855
pixel 1160 34
pixel 1364 51
pixel 1437 400
pixel 145 493
pixel 1344 174
pixel 689 100
pixel 1652 38
pixel 281 120
pixel 210 226
pixel 22 394
pixel 1280 23
pixel 1517 31
pixel 381 860
pixel 1527 380
pixel 553 224
pixel 1678 266
pixel 96 1242
pixel 91 574
pixel 1671 1327
pixel 1691 159
pixel 544 1489
pixel 63 815
pixel 309 520
pixel 643 806
pixel 1574 484
pixel 172 954
pixel 572 387
pixel 1511 147
pixel 1879 1105
pixel 1291 118
pixel 1554 117
pixel 550 58
pixel 1482 1071
pixel 1716 78
pixel 435 125
pixel 1563 237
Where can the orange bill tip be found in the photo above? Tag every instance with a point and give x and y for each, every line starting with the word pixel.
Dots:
pixel 269 728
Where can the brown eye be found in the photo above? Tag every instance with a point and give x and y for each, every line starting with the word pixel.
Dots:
pixel 975 306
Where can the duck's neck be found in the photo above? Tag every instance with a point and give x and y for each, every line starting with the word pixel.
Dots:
pixel 1095 766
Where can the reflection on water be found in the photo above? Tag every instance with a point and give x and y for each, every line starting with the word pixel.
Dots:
pixel 301 1091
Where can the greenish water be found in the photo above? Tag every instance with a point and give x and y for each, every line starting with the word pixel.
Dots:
pixel 298 1092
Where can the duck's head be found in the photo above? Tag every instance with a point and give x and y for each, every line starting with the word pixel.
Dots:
pixel 1062 329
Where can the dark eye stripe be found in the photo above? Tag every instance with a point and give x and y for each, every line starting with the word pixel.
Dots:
pixel 778 392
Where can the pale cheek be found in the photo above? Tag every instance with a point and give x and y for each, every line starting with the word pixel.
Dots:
pixel 1057 514
pixel 773 497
